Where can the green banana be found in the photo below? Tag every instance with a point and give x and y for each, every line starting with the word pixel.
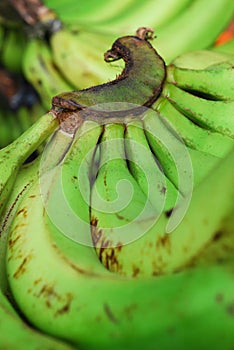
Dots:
pixel 79 63
pixel 179 162
pixel 26 176
pixel 12 50
pixel 16 334
pixel 41 72
pixel 117 17
pixel 200 59
pixel 86 12
pixel 155 252
pixel 145 169
pixel 153 13
pixel 203 22
pixel 13 155
pixel 193 135
pixel 199 110
pixel 59 299
pixel 215 81
pixel 89 223
pixel 66 179
pixel 28 173
pixel 15 122
pixel 221 246
pixel 27 115
pixel 120 211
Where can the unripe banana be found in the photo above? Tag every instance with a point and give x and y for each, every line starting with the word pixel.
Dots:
pixel 91 203
pixel 159 252
pixel 26 176
pixel 213 82
pixel 60 299
pixel 41 72
pixel 12 156
pixel 145 168
pixel 79 62
pixel 13 48
pixel 178 161
pixel 203 23
pixel 194 136
pixel 120 211
pixel 199 110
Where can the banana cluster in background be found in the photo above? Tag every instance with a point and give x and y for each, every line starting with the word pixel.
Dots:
pixel 69 55
pixel 64 284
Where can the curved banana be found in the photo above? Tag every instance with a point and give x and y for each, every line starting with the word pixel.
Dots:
pixel 76 295
pixel 26 176
pixel 215 81
pixel 120 211
pixel 41 72
pixel 155 185
pixel 114 228
pixel 79 61
pixel 204 22
pixel 154 14
pixel 194 136
pixel 211 115
pixel 177 160
pixel 200 59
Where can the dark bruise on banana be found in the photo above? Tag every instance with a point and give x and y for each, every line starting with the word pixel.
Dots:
pixel 138 85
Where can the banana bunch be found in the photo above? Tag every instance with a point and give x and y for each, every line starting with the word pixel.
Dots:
pixel 127 211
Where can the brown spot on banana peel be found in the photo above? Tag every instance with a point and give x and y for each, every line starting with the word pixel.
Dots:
pixel 139 84
pixel 22 267
pixel 52 297
pixel 110 314
pixel 230 309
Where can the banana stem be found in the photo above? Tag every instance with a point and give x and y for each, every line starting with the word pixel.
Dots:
pixel 33 137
